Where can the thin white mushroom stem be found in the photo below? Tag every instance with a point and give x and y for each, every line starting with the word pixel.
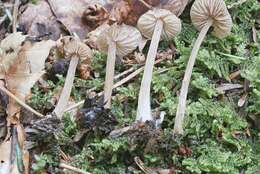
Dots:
pixel 7 92
pixel 178 125
pixel 144 112
pixel 65 94
pixel 110 70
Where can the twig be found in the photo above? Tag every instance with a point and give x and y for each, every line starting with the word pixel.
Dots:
pixel 74 169
pixel 119 132
pixel 15 13
pixel 121 82
pixel 146 4
pixel 8 13
pixel 234 75
pixel 229 86
pixel 3 19
pixel 129 77
pixel 20 101
pixel 142 166
pixel 124 73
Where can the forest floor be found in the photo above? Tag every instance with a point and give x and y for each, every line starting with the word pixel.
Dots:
pixel 222 120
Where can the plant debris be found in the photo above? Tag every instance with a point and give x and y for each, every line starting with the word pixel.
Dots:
pixel 46 42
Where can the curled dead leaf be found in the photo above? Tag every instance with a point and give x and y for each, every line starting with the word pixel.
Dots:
pixel 39 20
pixel 70 14
pixel 129 11
pixel 22 64
pixel 95 15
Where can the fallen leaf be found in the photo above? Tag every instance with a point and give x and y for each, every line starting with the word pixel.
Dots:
pixel 242 100
pixel 22 64
pixel 5 151
pixel 26 162
pixel 129 11
pixel 20 79
pixel 95 15
pixel 39 20
pixel 69 13
pixel 9 49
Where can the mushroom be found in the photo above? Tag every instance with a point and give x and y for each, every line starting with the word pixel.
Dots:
pixel 118 40
pixel 204 14
pixel 153 24
pixel 78 52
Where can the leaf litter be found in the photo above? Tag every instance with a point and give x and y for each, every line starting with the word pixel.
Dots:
pixel 221 132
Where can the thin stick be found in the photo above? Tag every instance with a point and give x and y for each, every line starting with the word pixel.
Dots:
pixel 124 73
pixel 15 12
pixel 146 4
pixel 178 125
pixel 9 15
pixel 3 19
pixel 143 167
pixel 144 112
pixel 129 77
pixel 20 101
pixel 234 75
pixel 65 94
pixel 110 71
pixel 121 82
pixel 74 169
pixel 227 87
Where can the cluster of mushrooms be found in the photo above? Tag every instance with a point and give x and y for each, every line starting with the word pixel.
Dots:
pixel 119 40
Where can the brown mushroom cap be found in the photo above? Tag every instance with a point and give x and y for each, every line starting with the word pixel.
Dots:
pixel 72 46
pixel 203 10
pixel 171 23
pixel 126 38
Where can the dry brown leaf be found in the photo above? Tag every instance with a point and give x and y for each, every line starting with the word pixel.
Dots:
pixel 95 15
pixel 69 13
pixel 9 49
pixel 5 151
pixel 26 162
pixel 81 16
pixel 39 20
pixel 20 79
pixel 22 66
pixel 12 41
pixel 129 11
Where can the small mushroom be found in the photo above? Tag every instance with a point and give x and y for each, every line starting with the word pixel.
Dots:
pixel 153 24
pixel 78 52
pixel 118 40
pixel 204 14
